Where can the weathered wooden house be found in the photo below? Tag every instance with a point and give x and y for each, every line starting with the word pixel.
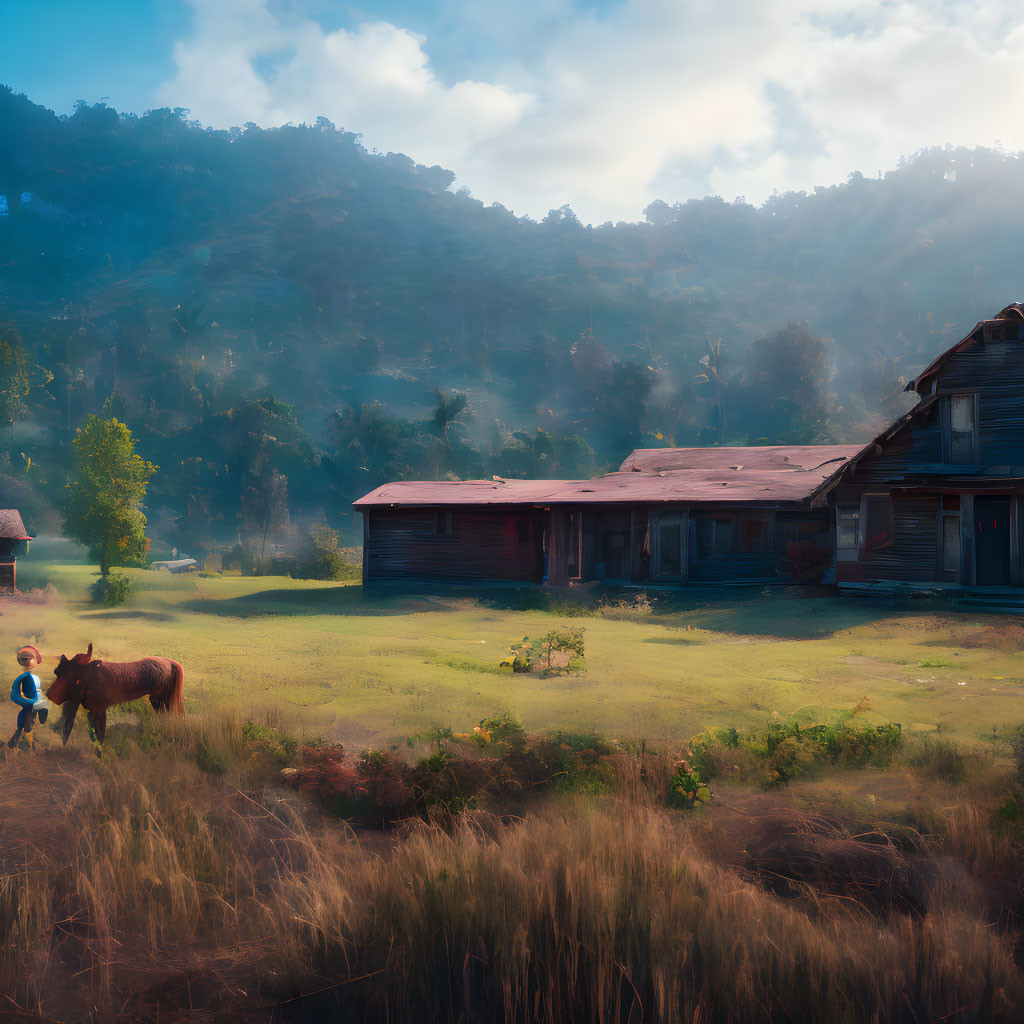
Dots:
pixel 13 539
pixel 935 499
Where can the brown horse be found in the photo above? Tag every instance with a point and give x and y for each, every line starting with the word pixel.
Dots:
pixel 98 685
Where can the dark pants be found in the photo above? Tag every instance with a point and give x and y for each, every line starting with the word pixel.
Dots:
pixel 26 719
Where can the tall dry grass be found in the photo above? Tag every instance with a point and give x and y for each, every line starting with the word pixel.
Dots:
pixel 145 888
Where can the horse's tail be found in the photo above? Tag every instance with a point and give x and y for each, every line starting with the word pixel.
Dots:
pixel 176 701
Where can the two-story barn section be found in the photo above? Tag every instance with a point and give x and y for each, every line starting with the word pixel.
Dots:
pixel 935 499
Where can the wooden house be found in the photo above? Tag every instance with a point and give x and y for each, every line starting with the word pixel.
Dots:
pixel 934 500
pixel 12 539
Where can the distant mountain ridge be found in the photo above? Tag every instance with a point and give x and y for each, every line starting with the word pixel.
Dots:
pixel 189 269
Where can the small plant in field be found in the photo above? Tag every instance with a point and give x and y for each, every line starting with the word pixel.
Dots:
pixel 686 789
pixel 522 655
pixel 636 609
pixel 1017 745
pixel 112 589
pixel 560 651
pixel 266 741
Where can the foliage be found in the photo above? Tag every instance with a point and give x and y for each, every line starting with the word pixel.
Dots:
pixel 783 751
pixel 685 788
pixel 560 651
pixel 111 589
pixel 101 504
pixel 374 293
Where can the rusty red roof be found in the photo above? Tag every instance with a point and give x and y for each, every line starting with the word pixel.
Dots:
pixel 772 458
pixel 11 526
pixel 790 473
pixel 461 492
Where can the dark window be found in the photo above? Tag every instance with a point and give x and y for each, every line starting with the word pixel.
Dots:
pixel 951 544
pixel 705 538
pixel 752 534
pixel 961 428
pixel 951 503
pixel 876 514
pixel 714 536
pixel 723 536
pixel 671 551
pixel 443 524
pixel 847 533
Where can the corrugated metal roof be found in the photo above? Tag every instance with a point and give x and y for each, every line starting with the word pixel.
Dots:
pixel 774 458
pixel 788 473
pixel 461 492
pixel 11 526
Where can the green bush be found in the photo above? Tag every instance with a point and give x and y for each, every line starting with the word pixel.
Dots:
pixel 686 789
pixel 111 589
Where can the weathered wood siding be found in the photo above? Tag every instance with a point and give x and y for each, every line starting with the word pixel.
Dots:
pixel 918 460
pixel 913 556
pixel 453 546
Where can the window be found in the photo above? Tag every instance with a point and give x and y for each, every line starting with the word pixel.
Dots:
pixel 714 536
pixel 847 532
pixel 876 514
pixel 752 534
pixel 443 524
pixel 705 537
pixel 670 549
pixel 951 544
pixel 961 440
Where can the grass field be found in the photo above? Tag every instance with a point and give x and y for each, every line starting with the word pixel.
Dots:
pixel 327 660
pixel 187 876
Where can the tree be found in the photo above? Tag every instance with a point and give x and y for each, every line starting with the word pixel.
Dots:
pixel 17 376
pixel 101 506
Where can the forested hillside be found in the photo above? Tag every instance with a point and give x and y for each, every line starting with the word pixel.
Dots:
pixel 285 320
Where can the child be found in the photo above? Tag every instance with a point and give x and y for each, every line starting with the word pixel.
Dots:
pixel 28 695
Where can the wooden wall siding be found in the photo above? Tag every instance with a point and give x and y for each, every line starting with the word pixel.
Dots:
pixel 914 451
pixel 403 545
pixel 607 548
pixel 6 577
pixel 914 554
pixel 996 370
pixel 737 567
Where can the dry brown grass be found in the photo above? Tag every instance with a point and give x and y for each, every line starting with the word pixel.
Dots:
pixel 144 888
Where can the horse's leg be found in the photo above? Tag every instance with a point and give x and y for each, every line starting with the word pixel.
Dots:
pixel 97 728
pixel 67 719
pixel 157 703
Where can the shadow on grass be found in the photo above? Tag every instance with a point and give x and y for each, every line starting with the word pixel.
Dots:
pixel 148 616
pixel 340 600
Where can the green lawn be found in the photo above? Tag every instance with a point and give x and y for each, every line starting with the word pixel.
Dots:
pixel 371 671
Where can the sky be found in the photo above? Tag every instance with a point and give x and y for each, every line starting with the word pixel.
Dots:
pixel 604 105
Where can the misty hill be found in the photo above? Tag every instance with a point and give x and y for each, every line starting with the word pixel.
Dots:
pixel 283 305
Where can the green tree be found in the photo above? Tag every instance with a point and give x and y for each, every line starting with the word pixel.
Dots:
pixel 18 377
pixel 101 506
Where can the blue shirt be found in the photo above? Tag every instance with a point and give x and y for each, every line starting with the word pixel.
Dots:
pixel 25 690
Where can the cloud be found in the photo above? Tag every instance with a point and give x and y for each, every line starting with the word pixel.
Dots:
pixel 648 99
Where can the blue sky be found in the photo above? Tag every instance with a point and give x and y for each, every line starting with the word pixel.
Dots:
pixel 605 105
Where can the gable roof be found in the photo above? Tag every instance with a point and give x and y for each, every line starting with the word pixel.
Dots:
pixel 789 473
pixel 1014 311
pixel 11 526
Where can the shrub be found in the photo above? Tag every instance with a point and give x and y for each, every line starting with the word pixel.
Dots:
pixel 111 589
pixel 1017 745
pixel 942 760
pixel 560 651
pixel 686 789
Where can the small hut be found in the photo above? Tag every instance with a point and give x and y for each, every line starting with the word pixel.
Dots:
pixel 12 536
